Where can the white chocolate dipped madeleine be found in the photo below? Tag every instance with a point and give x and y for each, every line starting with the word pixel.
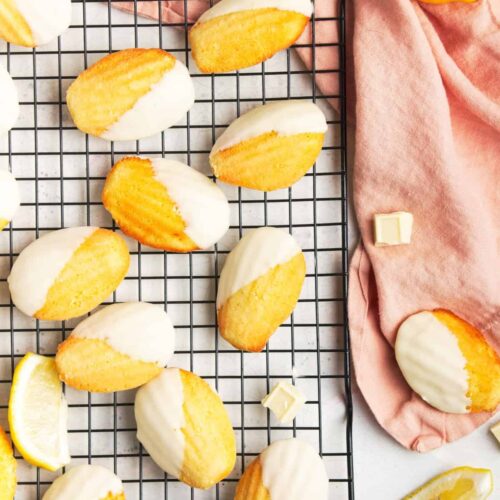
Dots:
pixel 120 347
pixel 183 425
pixel 9 101
pixel 86 482
pixel 271 146
pixel 166 204
pixel 236 34
pixel 448 362
pixel 9 197
pixel 287 469
pixel 31 23
pixel 259 287
pixel 131 94
pixel 66 273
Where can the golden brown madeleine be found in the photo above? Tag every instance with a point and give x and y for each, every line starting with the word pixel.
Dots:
pixel 151 92
pixel 86 482
pixel 259 287
pixel 31 23
pixel 270 147
pixel 182 423
pixel 120 347
pixel 236 34
pixel 8 468
pixel 9 197
pixel 166 204
pixel 448 362
pixel 289 468
pixel 67 273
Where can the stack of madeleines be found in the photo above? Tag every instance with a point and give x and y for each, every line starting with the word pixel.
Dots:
pixel 165 204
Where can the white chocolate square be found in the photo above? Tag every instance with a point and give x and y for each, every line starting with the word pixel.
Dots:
pixel 393 229
pixel 495 430
pixel 285 401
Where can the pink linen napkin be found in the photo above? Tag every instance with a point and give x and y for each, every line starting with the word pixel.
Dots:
pixel 427 141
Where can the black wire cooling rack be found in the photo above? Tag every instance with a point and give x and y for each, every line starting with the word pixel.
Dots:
pixel 61 172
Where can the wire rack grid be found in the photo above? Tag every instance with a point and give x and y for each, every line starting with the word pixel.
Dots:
pixel 61 172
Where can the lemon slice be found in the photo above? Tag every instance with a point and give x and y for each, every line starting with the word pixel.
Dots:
pixel 38 413
pixel 461 483
pixel 7 468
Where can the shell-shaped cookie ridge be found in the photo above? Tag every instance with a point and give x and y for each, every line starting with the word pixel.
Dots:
pixel 68 272
pixel 244 38
pixel 182 423
pixel 166 204
pixel 151 91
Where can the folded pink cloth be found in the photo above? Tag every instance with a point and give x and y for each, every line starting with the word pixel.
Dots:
pixel 428 142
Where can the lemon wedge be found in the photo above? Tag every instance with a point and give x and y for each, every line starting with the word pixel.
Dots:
pixel 461 483
pixel 7 468
pixel 38 413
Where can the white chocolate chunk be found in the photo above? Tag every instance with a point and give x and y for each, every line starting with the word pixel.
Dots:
pixel 285 401
pixel 495 430
pixel 393 229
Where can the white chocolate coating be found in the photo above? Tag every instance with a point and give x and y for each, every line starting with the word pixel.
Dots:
pixel 432 363
pixel 85 482
pixel 160 419
pixel 292 469
pixel 284 117
pixel 163 106
pixel 47 19
pixel 9 101
pixel 39 264
pixel 255 254
pixel 201 203
pixel 224 7
pixel 137 329
pixel 9 195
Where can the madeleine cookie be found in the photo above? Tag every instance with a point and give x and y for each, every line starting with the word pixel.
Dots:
pixel 235 34
pixel 448 362
pixel 185 428
pixel 86 482
pixel 9 100
pixel 31 23
pixel 259 287
pixel 67 273
pixel 131 94
pixel 8 468
pixel 166 204
pixel 9 197
pixel 289 468
pixel 270 147
pixel 120 347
